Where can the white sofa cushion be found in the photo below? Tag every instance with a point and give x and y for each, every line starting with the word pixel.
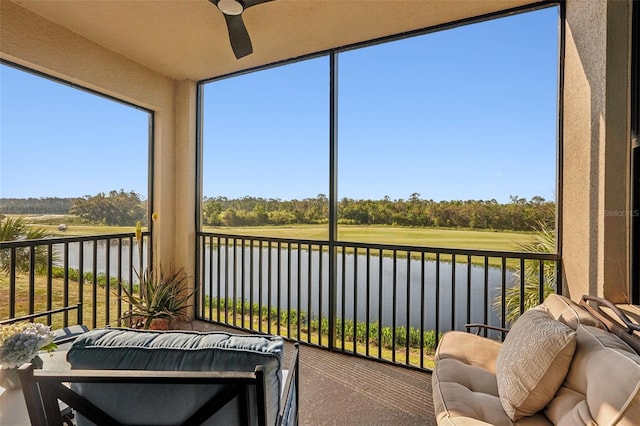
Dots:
pixel 603 383
pixel 533 362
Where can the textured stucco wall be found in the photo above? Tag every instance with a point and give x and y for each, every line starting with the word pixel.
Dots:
pixel 29 40
pixel 596 150
pixel 185 174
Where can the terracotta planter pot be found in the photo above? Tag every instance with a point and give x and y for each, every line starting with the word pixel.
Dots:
pixel 159 324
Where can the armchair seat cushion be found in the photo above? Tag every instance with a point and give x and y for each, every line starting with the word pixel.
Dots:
pixel 464 384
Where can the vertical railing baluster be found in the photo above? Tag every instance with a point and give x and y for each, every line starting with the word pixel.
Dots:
pixel 81 277
pixel 422 307
pixel 279 285
pixel 453 291
pixel 368 299
pixel 49 281
pixel 355 300
pixel 320 248
pixel 394 305
pixel 309 290
pixel 437 297
pixel 212 299
pixel 541 283
pixel 289 289
pixel 522 277
pixel 260 285
pixel 119 279
pixel 234 297
pixel 107 284
pixel 251 282
pixel 131 264
pixel 408 309
pixel 94 284
pixel 485 303
pixel 242 282
pixel 12 282
pixel 503 295
pixel 65 283
pixel 226 280
pixel 32 279
pixel 343 301
pixel 299 295
pixel 269 287
pixel 380 297
pixel 469 298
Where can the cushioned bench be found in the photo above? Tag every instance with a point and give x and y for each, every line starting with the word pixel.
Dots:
pixel 557 366
pixel 239 378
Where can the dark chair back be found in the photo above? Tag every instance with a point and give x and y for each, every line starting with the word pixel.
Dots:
pixel 229 393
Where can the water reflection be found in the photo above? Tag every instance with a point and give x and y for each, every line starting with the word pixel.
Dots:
pixel 408 289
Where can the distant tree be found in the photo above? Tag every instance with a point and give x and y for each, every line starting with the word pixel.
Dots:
pixel 116 208
pixel 15 229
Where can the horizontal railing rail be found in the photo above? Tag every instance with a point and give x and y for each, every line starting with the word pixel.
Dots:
pixel 77 307
pixel 391 302
pixel 50 277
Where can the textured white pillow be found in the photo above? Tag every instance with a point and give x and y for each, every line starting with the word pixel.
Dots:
pixel 533 362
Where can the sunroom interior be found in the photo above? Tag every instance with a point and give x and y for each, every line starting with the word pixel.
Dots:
pixel 155 60
pixel 157 56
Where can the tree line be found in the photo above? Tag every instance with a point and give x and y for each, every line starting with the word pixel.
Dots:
pixel 519 214
pixel 45 205
pixel 123 208
pixel 115 208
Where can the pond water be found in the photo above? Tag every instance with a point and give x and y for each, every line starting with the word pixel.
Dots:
pixel 411 291
pixel 416 287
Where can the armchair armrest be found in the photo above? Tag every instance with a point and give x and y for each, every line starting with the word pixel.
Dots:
pixel 68 334
pixel 288 414
pixel 629 326
pixel 485 327
pixel 614 319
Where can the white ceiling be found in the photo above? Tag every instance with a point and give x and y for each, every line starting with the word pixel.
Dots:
pixel 188 39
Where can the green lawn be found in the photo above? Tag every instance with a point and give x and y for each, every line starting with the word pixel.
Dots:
pixel 85 230
pixel 443 238
pixel 430 237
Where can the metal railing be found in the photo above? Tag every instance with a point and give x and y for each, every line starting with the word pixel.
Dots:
pixel 387 302
pixel 56 275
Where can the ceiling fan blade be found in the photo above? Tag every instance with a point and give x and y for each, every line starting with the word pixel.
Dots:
pixel 248 3
pixel 238 35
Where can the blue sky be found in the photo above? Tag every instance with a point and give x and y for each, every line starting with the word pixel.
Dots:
pixel 467 113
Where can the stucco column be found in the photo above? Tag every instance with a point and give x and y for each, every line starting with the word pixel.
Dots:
pixel 184 250
pixel 175 183
pixel 595 172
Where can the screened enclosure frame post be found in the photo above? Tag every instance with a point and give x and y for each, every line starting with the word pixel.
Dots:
pixel 333 197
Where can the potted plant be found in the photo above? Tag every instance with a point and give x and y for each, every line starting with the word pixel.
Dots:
pixel 163 297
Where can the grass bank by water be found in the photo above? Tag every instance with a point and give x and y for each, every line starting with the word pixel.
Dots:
pixel 429 237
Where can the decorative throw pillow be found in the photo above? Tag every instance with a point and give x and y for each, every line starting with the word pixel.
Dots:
pixel 533 362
